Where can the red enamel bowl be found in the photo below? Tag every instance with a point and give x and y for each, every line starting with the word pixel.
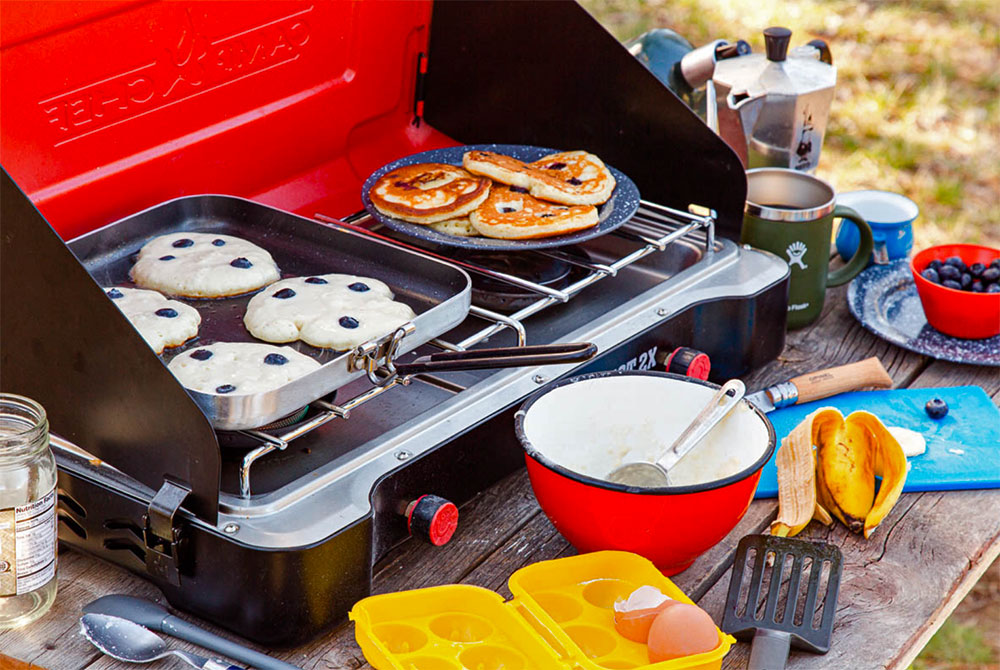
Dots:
pixel 670 526
pixel 957 313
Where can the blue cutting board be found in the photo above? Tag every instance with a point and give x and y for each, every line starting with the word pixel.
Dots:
pixel 972 429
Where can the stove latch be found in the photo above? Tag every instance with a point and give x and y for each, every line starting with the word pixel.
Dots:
pixel 161 536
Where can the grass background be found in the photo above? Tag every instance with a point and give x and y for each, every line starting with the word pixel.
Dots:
pixel 916 111
pixel 917 104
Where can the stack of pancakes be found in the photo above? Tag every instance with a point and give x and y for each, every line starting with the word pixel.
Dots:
pixel 498 196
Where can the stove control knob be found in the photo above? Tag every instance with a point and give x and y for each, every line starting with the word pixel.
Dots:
pixel 688 362
pixel 432 519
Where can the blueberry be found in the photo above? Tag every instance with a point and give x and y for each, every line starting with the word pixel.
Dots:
pixel 966 280
pixel 995 263
pixel 225 388
pixel 284 294
pixel 241 263
pixel 977 286
pixel 976 269
pixel 166 313
pixel 993 288
pixel 574 181
pixel 955 261
pixel 556 166
pixel 316 280
pixel 218 243
pixel 518 189
pixel 936 408
pixel 507 210
pixel 991 274
pixel 182 243
pixel 348 322
pixel 546 216
pixel 168 257
pixel 951 283
pixel 931 275
pixel 359 287
pixel 114 294
pixel 949 272
pixel 201 354
pixel 275 359
pixel 935 264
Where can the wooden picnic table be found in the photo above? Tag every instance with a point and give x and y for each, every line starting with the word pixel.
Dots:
pixel 897 588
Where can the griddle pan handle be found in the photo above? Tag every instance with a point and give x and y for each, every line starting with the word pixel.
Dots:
pixel 505 357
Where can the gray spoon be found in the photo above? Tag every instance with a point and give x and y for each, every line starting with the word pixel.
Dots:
pixel 127 641
pixel 654 475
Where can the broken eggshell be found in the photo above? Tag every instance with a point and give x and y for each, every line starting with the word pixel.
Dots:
pixel 634 615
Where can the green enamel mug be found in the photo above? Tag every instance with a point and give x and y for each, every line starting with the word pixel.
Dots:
pixel 790 214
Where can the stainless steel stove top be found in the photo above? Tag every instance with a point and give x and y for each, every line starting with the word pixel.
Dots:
pixel 321 481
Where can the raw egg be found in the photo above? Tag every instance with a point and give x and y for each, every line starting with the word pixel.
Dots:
pixel 681 630
pixel 634 616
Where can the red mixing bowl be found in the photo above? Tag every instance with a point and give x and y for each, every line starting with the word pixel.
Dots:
pixel 957 313
pixel 670 526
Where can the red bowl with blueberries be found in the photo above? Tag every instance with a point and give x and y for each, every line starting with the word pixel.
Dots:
pixel 959 288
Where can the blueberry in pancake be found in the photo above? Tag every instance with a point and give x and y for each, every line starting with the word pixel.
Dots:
pixel 332 311
pixel 239 368
pixel 572 178
pixel 511 213
pixel 203 265
pixel 162 323
pixel 498 167
pixel 428 192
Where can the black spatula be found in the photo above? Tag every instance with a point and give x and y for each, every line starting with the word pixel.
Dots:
pixel 782 592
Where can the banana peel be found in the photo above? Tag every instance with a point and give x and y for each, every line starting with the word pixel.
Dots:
pixel 838 476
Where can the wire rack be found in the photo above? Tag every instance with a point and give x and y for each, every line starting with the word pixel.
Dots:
pixel 652 229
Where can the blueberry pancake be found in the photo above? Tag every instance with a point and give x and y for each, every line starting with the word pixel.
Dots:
pixel 327 311
pixel 238 368
pixel 459 227
pixel 203 265
pixel 161 322
pixel 510 213
pixel 572 178
pixel 498 167
pixel 428 192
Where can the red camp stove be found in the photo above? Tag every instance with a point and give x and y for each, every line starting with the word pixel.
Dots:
pixel 117 118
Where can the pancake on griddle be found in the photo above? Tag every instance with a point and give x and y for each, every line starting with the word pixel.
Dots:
pixel 428 192
pixel 572 178
pixel 512 214
pixel 498 167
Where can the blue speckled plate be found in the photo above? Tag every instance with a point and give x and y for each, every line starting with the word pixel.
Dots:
pixel 884 299
pixel 617 210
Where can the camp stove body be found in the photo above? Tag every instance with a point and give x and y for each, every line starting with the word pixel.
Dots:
pixel 273 533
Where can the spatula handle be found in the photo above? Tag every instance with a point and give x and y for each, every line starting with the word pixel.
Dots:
pixel 850 377
pixel 769 650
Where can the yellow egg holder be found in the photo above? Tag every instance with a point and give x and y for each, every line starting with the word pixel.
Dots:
pixel 561 616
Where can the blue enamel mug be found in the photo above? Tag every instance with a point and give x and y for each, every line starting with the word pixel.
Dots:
pixel 890 216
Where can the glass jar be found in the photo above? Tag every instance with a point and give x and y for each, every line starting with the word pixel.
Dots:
pixel 27 512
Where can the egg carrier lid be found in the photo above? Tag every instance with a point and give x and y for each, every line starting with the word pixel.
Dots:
pixel 561 617
pixel 112 107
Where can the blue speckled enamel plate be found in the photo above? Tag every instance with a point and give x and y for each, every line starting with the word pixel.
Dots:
pixel 617 210
pixel 884 299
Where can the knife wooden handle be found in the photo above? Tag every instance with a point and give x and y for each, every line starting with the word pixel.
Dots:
pixel 850 377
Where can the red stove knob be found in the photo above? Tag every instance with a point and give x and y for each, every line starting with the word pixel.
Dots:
pixel 432 518
pixel 688 362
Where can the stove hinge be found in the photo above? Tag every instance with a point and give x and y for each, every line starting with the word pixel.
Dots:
pixel 418 89
pixel 163 538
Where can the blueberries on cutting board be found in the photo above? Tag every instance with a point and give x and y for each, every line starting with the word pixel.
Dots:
pixel 953 273
pixel 936 408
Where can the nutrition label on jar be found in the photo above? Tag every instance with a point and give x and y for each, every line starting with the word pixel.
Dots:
pixel 28 546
